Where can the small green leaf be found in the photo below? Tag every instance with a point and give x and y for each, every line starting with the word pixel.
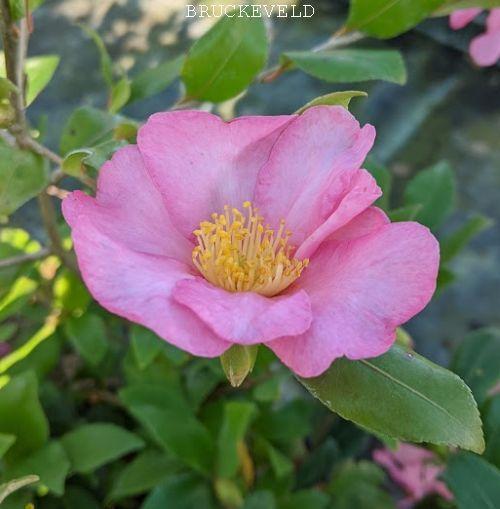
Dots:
pixel 6 87
pixel 120 94
pixel 106 62
pixel 384 180
pixel 223 62
pixel 427 402
pixel 155 80
pixel 70 293
pixel 433 189
pixel 474 482
pixel 88 336
pixel 92 445
pixel 477 360
pixel 454 5
pixel 350 65
pixel 16 484
pixel 146 345
pixel 39 71
pixel 238 362
pixel 228 493
pixel 6 441
pixel 388 18
pixel 22 176
pixel 16 298
pixel 335 98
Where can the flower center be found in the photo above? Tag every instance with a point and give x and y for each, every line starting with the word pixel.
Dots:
pixel 236 252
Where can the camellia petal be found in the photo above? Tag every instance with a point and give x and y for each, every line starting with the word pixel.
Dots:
pixel 360 291
pixel 485 48
pixel 244 317
pixel 461 18
pixel 201 163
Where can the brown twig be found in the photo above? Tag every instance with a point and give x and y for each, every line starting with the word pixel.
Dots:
pixel 28 257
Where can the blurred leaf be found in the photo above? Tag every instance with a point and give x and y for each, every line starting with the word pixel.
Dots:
pixel 282 465
pixel 106 62
pixel 388 18
pixel 17 8
pixel 146 345
pixel 6 87
pixel 17 296
pixel 317 466
pixel 492 431
pixel 228 493
pixel 312 499
pixel 269 390
pixel 167 417
pixel 335 98
pixel 142 474
pixel 22 176
pixel 39 71
pixel 88 336
pixel 474 482
pixel 92 445
pixel 359 485
pixel 224 61
pixel 49 463
pixel 238 362
pixel 477 361
pixel 434 190
pixel 201 379
pixel 16 484
pixel 76 497
pixel 260 500
pixel 22 414
pixel 184 491
pixel 454 243
pixel 350 65
pixel 6 441
pixel 384 180
pixel 70 293
pixel 237 418
pixel 156 79
pixel 428 403
pixel 120 94
pixel 86 127
pixel 454 5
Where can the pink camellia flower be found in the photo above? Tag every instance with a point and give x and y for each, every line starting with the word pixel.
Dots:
pixel 485 48
pixel 416 470
pixel 259 230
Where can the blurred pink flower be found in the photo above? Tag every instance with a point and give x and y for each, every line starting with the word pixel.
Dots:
pixel 187 236
pixel 416 470
pixel 485 48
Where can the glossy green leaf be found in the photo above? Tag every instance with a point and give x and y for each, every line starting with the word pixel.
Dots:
pixel 39 71
pixel 350 65
pixel 155 80
pixel 6 441
pixel 433 189
pixel 22 414
pixel 12 486
pixel 142 474
pixel 427 402
pixel 146 345
pixel 477 361
pixel 335 98
pixel 224 61
pixel 454 243
pixel 474 482
pixel 236 420
pixel 120 94
pixel 88 336
pixel 22 176
pixel 492 431
pixel 92 445
pixel 448 6
pixel 388 18
pixel 168 418
pixel 49 463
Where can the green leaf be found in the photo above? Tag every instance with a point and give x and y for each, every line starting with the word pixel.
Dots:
pixel 145 472
pixel 238 362
pixel 39 71
pixel 282 465
pixel 228 493
pixel 433 189
pixel 146 345
pixel 106 62
pixel 16 484
pixel 388 18
pixel 88 336
pixel 223 62
pixel 453 244
pixel 17 296
pixel 6 441
pixel 261 499
pixel 477 360
pixel 17 8
pixel 22 414
pixel 155 80
pixel 49 463
pixel 408 213
pixel 120 94
pixel 236 420
pixel 22 176
pixel 77 497
pixel 70 293
pixel 168 418
pixel 317 466
pixel 474 482
pixel 492 432
pixel 350 65
pixel 454 5
pixel 335 98
pixel 312 499
pixel 92 445
pixel 384 180
pixel 6 87
pixel 427 403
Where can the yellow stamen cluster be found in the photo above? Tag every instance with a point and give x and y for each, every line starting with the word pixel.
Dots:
pixel 236 252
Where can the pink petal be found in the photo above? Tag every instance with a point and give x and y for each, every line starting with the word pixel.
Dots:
pixel 201 163
pixel 138 286
pixel 311 168
pixel 485 49
pixel 244 317
pixel 360 291
pixel 461 18
pixel 128 208
pixel 367 222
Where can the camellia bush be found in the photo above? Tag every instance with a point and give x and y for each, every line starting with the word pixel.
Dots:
pixel 215 315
